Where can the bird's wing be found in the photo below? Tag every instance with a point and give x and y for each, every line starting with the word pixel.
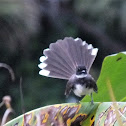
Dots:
pixel 69 87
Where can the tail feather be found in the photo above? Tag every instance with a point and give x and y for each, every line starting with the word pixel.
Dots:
pixel 53 74
pixel 64 47
pixel 62 54
pixel 87 58
pixel 84 52
pixel 62 58
pixel 66 44
pixel 53 57
pixel 93 56
pixel 57 73
pixel 56 66
pixel 72 50
pixel 60 75
pixel 78 44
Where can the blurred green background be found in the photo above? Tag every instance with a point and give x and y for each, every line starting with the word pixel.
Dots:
pixel 29 26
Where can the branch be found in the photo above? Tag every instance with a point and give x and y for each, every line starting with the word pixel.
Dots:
pixel 7 102
pixel 6 114
pixel 9 69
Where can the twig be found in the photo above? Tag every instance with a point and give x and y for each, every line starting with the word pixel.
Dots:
pixel 6 101
pixel 1 104
pixel 9 69
pixel 22 99
pixel 6 114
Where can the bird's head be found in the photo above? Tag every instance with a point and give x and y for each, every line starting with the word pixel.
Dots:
pixel 81 71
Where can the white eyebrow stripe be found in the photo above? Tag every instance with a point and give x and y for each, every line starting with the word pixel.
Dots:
pixel 83 70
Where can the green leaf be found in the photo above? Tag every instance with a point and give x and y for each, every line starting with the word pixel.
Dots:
pixel 71 114
pixel 84 114
pixel 111 114
pixel 114 70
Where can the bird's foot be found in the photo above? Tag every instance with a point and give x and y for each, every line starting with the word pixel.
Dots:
pixel 92 102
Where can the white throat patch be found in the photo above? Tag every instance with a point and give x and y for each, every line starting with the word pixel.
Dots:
pixel 81 76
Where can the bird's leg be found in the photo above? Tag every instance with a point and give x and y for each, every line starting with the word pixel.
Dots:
pixel 92 102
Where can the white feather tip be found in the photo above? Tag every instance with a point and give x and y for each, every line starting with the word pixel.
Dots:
pixel 42 65
pixel 94 51
pixel 83 43
pixel 44 72
pixel 43 58
pixel 90 46
pixel 76 39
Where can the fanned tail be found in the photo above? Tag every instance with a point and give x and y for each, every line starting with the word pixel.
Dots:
pixel 63 57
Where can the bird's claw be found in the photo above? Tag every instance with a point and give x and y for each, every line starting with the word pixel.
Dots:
pixel 92 102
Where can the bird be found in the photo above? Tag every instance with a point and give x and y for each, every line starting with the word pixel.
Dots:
pixel 70 59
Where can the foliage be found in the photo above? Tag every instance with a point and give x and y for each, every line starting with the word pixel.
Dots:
pixel 27 27
pixel 113 70
pixel 82 114
pixel 65 114
pixel 105 14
